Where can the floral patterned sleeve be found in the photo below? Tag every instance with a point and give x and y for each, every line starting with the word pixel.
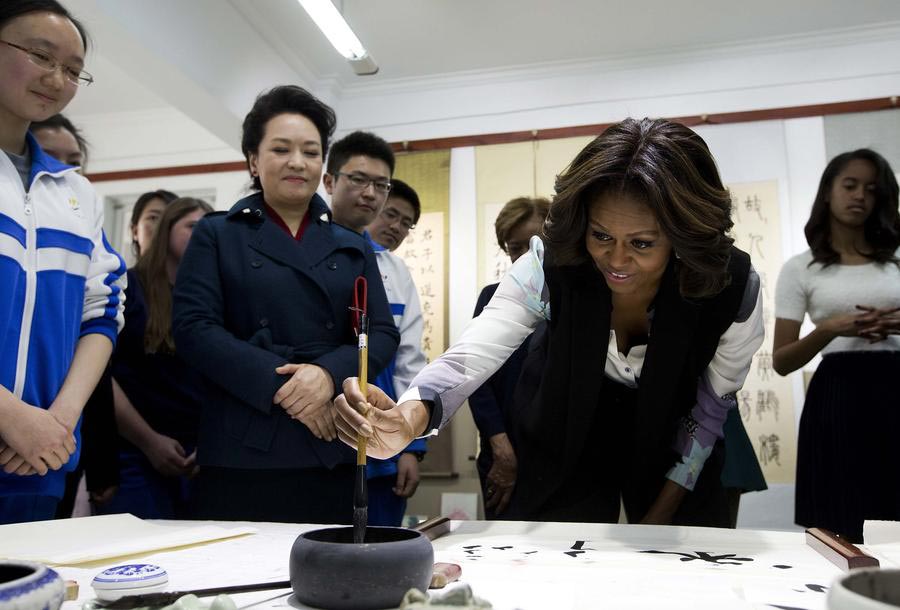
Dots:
pixel 723 377
pixel 520 303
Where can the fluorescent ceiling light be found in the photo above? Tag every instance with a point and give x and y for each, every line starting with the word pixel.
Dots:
pixel 331 22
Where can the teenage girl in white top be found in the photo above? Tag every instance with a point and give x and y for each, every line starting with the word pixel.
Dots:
pixel 849 284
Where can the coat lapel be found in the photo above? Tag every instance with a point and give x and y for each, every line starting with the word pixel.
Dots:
pixel 304 256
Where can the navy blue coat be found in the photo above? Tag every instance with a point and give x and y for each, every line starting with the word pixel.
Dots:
pixel 249 299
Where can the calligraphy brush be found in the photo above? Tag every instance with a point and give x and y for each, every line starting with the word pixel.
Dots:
pixel 167 598
pixel 360 487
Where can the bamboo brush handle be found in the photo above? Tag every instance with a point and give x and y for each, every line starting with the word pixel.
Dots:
pixel 361 441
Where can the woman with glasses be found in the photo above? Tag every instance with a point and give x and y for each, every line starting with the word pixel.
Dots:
pixel 63 282
pixel 647 318
pixel 261 308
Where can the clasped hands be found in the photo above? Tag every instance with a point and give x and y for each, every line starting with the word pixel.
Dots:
pixel 36 440
pixel 306 397
pixel 872 323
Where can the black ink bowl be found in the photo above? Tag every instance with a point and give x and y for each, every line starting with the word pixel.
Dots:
pixel 329 571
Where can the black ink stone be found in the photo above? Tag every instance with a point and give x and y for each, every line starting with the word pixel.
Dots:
pixel 329 571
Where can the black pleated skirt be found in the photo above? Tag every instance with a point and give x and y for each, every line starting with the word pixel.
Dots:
pixel 848 454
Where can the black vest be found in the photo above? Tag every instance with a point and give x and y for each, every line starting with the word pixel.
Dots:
pixel 562 381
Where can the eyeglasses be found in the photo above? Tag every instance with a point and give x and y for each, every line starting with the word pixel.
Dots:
pixel 392 216
pixel 361 182
pixel 43 59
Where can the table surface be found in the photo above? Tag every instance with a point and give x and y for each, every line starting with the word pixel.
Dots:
pixel 541 565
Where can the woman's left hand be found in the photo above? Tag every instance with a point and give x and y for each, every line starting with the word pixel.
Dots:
pixel 887 323
pixel 306 397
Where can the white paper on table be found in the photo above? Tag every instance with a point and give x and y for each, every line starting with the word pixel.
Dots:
pixel 881 532
pixel 882 539
pixel 72 541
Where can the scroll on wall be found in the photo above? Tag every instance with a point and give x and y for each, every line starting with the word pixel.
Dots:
pixel 423 253
pixel 766 401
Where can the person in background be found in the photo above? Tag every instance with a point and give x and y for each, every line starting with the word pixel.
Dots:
pixel 360 167
pixel 261 308
pixel 849 284
pixel 99 462
pixel 398 217
pixel 145 215
pixel 63 309
pixel 61 140
pixel 157 397
pixel 492 403
pixel 652 319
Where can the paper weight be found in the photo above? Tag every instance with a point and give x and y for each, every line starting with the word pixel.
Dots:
pixel 130 579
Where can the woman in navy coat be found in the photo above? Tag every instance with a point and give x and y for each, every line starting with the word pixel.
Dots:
pixel 261 310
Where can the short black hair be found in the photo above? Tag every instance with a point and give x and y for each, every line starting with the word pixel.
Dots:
pixel 284 99
pixel 401 190
pixel 356 144
pixel 10 9
pixel 59 121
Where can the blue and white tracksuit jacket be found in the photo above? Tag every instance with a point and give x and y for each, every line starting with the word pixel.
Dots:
pixel 410 359
pixel 59 280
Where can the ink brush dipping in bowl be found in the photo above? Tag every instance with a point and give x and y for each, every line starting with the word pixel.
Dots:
pixel 329 570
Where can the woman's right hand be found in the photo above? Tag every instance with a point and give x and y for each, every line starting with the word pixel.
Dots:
pixel 850 324
pixel 501 478
pixel 389 427
pixel 168 457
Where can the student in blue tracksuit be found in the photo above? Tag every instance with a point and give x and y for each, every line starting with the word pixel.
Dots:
pixel 61 307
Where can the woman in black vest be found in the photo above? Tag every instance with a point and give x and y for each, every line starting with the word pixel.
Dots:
pixel 653 317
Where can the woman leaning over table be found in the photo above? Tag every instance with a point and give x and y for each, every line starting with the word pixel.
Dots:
pixel 653 317
pixel 61 306
pixel 849 284
pixel 261 309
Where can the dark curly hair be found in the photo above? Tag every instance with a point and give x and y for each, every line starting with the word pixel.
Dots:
pixel 359 143
pixel 285 99
pixel 882 227
pixel 668 167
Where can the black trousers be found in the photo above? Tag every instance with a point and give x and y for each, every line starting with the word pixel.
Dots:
pixel 288 495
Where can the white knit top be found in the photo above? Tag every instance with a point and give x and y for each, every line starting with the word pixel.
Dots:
pixel 823 292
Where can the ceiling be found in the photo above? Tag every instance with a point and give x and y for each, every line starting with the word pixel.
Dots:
pixel 209 58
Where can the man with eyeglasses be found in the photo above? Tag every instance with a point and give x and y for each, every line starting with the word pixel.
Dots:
pixel 399 215
pixel 358 178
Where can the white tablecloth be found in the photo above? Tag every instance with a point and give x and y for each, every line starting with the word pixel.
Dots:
pixel 543 566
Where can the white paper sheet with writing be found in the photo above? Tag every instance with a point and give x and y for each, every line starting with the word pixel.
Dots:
pixel 544 565
pixel 73 541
